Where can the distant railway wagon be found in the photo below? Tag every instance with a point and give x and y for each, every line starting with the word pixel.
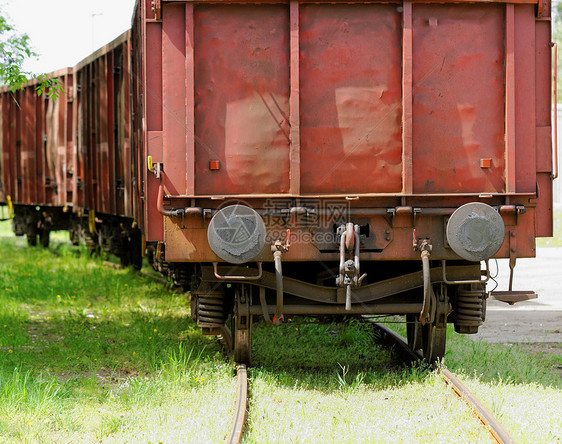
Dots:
pixel 106 194
pixel 36 158
pixel 319 158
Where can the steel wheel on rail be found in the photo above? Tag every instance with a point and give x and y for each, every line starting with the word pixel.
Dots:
pixel 434 339
pixel 414 332
pixel 242 326
pixel 31 235
pixel 434 333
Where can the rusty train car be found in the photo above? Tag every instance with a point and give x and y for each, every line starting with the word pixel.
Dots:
pixel 320 158
pixel 106 193
pixel 328 158
pixel 67 163
pixel 35 152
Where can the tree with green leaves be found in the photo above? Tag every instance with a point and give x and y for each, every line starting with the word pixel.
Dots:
pixel 15 48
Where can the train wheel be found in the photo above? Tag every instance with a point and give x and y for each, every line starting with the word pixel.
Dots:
pixel 31 236
pixel 44 237
pixel 434 334
pixel 125 258
pixel 434 339
pixel 414 332
pixel 242 326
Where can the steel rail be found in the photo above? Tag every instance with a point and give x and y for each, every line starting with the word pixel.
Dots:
pixel 496 429
pixel 389 337
pixel 241 404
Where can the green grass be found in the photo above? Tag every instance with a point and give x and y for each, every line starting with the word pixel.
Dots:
pixel 510 363
pixel 334 383
pixel 93 354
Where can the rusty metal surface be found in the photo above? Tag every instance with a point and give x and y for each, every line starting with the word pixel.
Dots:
pixel 36 145
pixel 496 429
pixel 241 98
pixel 350 87
pixel 543 79
pixel 350 98
pixel 330 295
pixel 390 233
pixel 434 103
pixel 458 96
pixel 511 297
pixel 104 163
pixel 241 405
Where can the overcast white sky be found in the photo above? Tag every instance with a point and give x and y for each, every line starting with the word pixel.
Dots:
pixel 63 32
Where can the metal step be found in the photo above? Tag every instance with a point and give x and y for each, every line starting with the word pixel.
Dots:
pixel 511 297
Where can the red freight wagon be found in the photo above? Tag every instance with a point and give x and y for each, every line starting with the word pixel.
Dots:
pixel 35 158
pixel 379 151
pixel 105 194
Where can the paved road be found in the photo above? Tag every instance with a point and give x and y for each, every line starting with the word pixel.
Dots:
pixel 538 320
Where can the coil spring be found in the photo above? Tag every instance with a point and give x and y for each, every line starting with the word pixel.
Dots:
pixel 162 267
pixel 181 276
pixel 470 308
pixel 210 309
pixel 89 239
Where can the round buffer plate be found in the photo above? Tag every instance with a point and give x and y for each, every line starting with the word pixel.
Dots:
pixel 475 231
pixel 236 234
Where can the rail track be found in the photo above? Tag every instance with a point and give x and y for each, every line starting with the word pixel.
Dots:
pixel 391 338
pixel 241 404
pixel 241 401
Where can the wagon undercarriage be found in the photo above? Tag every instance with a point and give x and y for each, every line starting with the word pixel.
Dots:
pixel 250 294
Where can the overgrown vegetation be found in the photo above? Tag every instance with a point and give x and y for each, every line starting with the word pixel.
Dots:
pixel 93 354
pixel 328 395
pixel 90 354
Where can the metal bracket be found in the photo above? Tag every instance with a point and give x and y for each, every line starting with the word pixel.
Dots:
pixel 155 168
pixel 157 9
pixel 416 212
pixel 442 308
pixel 241 278
pixel 473 281
pixel 398 214
pixel 511 296
pixel 517 210
pixel 243 308
pixel 512 256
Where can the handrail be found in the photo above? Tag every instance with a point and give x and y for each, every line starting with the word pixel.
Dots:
pixel 554 174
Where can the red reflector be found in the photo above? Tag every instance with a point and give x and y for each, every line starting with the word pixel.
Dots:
pixel 214 164
pixel 485 163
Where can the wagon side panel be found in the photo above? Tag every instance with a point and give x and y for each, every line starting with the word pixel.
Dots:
pixel 544 165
